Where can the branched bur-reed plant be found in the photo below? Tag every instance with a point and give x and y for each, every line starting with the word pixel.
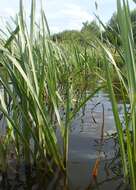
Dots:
pixel 37 86
pixel 126 132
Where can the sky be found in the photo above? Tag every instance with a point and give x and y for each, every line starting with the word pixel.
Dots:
pixel 63 14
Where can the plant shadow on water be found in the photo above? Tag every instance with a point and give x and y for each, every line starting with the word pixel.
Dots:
pixel 93 155
pixel 93 147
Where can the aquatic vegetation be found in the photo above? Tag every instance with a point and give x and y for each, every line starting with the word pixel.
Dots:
pixel 45 83
pixel 126 132
pixel 37 85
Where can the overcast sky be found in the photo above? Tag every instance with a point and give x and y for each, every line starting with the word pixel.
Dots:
pixel 63 14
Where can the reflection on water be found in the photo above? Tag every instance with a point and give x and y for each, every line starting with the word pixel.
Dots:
pixel 84 143
pixel 90 125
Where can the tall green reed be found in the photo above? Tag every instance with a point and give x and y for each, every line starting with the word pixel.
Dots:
pixel 127 132
pixel 38 84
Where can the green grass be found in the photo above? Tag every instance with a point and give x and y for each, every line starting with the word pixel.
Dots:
pixel 127 139
pixel 40 78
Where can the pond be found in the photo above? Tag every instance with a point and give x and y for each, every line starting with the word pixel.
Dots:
pixel 90 140
pixel 85 147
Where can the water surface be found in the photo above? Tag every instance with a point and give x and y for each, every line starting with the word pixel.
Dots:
pixel 84 147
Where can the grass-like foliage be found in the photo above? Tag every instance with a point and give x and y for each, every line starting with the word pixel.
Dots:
pixel 39 82
pixel 43 85
pixel 127 131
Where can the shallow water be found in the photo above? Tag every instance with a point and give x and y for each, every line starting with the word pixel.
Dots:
pixel 84 144
pixel 85 147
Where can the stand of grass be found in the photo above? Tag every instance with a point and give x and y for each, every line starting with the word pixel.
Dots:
pixel 39 82
pixel 127 133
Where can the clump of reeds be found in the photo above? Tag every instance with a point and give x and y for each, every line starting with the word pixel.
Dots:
pixel 126 132
pixel 37 81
